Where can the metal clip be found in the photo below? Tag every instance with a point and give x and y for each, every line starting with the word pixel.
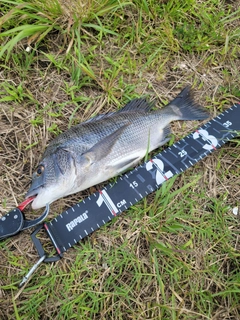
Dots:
pixel 43 255
pixel 30 272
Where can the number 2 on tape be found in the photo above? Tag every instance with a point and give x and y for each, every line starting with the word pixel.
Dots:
pixel 159 173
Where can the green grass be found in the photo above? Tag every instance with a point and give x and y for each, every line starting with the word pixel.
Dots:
pixel 168 256
pixel 174 255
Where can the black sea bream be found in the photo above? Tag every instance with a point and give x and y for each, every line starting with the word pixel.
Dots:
pixel 106 145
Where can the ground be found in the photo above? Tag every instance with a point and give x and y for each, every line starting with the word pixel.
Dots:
pixel 174 255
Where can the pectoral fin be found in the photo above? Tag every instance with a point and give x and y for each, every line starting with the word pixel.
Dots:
pixel 101 149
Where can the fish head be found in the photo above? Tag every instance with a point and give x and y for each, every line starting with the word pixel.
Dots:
pixel 54 178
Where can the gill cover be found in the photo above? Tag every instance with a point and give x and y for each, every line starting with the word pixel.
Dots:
pixel 62 160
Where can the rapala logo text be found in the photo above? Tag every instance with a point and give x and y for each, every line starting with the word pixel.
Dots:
pixel 77 221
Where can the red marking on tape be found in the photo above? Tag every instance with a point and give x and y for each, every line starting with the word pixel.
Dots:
pixel 57 249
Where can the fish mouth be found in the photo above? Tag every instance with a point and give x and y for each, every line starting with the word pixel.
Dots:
pixel 30 196
pixel 37 198
pixel 26 202
pixel 33 192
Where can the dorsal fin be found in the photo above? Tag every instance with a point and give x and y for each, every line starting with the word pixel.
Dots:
pixel 99 117
pixel 137 104
pixel 134 105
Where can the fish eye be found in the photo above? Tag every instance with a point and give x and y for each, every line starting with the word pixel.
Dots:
pixel 40 170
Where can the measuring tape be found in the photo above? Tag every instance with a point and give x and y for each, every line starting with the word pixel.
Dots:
pixel 82 219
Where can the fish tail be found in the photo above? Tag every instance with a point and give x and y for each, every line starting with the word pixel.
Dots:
pixel 185 108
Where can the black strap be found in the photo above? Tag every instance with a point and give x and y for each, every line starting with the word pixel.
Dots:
pixel 11 223
pixel 14 221
pixel 89 215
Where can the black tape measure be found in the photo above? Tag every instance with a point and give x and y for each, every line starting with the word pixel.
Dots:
pixel 89 215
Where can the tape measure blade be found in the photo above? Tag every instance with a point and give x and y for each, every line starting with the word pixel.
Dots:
pixel 82 219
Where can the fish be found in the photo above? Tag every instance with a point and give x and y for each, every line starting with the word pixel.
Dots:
pixel 107 145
